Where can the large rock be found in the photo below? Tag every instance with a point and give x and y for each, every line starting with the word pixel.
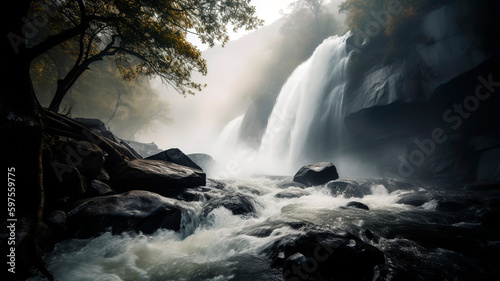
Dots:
pixel 63 183
pixel 98 127
pixel 316 174
pixel 144 149
pixel 357 205
pixel 345 189
pixel 87 157
pixel 131 211
pixel 238 204
pixel 176 156
pixel 162 177
pixel 325 255
pixel 205 161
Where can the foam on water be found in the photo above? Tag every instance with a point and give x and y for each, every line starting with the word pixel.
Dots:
pixel 207 251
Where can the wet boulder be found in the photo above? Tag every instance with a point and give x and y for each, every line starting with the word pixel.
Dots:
pixel 57 221
pixel 205 161
pixel 325 255
pixel 316 174
pixel 87 157
pixel 343 188
pixel 165 178
pixel 415 198
pixel 292 192
pixel 200 194
pixel 131 211
pixel 491 218
pixel 62 183
pixel 357 205
pixel 100 188
pixel 175 155
pixel 238 204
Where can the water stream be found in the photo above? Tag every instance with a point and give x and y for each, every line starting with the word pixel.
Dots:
pixel 421 233
pixel 426 232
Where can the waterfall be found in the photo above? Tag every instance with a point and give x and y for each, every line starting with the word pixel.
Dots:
pixel 228 138
pixel 306 121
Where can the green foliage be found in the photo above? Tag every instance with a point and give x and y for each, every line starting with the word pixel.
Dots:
pixel 301 32
pixel 135 39
pixel 127 107
pixel 396 35
pixel 144 37
pixel 360 12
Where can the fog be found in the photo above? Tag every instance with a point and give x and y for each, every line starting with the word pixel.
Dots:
pixel 238 74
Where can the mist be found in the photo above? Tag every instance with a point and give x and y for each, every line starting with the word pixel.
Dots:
pixel 243 71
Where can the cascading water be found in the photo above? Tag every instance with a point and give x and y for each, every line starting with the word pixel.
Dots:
pixel 425 232
pixel 420 233
pixel 307 116
pixel 306 122
pixel 228 139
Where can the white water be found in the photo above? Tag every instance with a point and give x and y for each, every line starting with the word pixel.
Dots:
pixel 218 247
pixel 307 115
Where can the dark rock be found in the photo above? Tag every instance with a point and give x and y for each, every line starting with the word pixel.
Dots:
pixel 358 205
pixel 98 127
pixel 216 184
pixel 201 194
pixel 288 182
pixel 483 186
pixel 204 161
pixel 238 204
pixel 63 183
pixel 176 156
pixel 292 192
pixel 100 188
pixel 450 206
pixel 324 255
pixel 87 157
pixel 345 189
pixel 414 199
pixel 136 154
pixel 25 258
pixel 144 149
pixel 316 174
pixel 491 219
pixel 57 221
pixel 266 228
pixel 131 211
pixel 370 236
pixel 103 176
pixel 162 177
pixel 295 261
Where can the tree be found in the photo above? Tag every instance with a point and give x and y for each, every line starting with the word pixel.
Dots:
pixel 143 37
pixel 101 93
pixel 314 6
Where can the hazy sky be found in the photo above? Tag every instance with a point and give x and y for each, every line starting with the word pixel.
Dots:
pixel 199 119
pixel 268 10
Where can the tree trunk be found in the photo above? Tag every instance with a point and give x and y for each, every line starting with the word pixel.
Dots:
pixel 22 127
pixel 55 104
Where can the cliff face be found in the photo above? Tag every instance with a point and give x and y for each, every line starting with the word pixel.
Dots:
pixel 431 112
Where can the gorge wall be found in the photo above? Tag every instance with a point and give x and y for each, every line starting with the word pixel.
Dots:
pixel 432 112
pixel 421 105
